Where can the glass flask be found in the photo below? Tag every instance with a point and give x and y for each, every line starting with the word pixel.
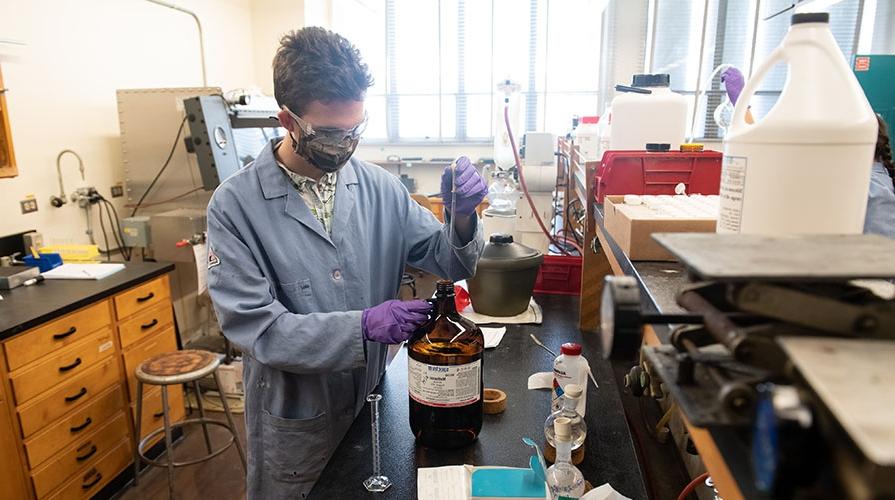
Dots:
pixel 569 410
pixel 444 369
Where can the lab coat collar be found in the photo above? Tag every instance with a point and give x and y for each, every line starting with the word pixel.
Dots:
pixel 275 185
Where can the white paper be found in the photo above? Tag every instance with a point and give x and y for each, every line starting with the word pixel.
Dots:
pixel 540 380
pixel 200 254
pixel 82 271
pixel 442 483
pixel 493 336
pixel 604 492
pixel 532 315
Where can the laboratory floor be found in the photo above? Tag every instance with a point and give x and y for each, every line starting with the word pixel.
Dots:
pixel 221 478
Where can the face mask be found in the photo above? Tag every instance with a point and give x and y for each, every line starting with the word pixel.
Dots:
pixel 328 149
pixel 326 154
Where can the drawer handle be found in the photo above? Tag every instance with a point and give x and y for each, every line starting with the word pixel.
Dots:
pixel 147 297
pixel 70 399
pixel 149 325
pixel 98 478
pixel 158 415
pixel 60 336
pixel 72 366
pixel 79 428
pixel 81 458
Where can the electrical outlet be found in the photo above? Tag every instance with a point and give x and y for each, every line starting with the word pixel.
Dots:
pixel 29 205
pixel 117 191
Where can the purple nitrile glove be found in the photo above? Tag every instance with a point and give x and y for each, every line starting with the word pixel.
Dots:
pixel 470 186
pixel 734 82
pixel 393 321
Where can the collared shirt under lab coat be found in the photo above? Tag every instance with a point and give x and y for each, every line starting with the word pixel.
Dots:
pixel 880 217
pixel 290 296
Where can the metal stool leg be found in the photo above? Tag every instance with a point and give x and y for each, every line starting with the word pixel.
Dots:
pixel 139 417
pixel 202 414
pixel 242 453
pixel 169 445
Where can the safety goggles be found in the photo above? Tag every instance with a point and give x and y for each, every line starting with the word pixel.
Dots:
pixel 330 133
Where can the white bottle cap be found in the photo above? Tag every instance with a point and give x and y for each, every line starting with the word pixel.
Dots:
pixel 572 390
pixel 562 429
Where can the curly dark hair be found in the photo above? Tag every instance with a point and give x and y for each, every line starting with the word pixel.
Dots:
pixel 315 64
pixel 884 148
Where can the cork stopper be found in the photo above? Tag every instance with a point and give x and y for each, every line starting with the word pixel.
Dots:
pixel 562 428
pixel 573 391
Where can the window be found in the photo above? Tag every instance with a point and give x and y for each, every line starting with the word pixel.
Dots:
pixel 437 64
pixel 734 32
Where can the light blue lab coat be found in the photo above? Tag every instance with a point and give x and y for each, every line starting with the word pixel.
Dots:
pixel 290 297
pixel 880 217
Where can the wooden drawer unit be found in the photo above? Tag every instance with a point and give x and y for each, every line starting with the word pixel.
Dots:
pixel 80 456
pixel 60 366
pixel 142 297
pixel 57 334
pixel 75 393
pixel 152 409
pixel 41 446
pixel 145 324
pixel 88 483
pixel 165 341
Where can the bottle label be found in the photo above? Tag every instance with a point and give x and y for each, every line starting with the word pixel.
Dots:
pixel 733 184
pixel 444 386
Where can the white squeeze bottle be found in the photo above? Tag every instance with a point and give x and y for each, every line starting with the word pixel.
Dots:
pixel 804 168
pixel 569 368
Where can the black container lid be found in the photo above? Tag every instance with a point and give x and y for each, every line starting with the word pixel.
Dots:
pixel 501 252
pixel 811 17
pixel 657 80
pixel 655 147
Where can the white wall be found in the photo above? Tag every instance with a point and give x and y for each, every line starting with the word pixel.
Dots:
pixel 62 87
pixel 271 19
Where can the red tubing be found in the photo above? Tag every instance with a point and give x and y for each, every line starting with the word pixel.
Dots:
pixel 690 488
pixel 534 210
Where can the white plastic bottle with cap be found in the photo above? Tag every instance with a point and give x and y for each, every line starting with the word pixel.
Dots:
pixel 804 168
pixel 587 137
pixel 564 479
pixel 569 367
pixel 648 112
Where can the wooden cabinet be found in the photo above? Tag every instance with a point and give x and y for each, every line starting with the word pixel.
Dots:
pixel 67 393
pixel 12 476
pixel 7 155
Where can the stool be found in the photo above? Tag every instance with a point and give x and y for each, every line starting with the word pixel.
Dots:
pixel 172 368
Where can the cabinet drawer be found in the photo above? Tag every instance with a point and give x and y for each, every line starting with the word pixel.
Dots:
pixel 63 432
pixel 80 456
pixel 62 365
pixel 145 324
pixel 45 339
pixel 88 483
pixel 152 409
pixel 142 297
pixel 75 393
pixel 162 342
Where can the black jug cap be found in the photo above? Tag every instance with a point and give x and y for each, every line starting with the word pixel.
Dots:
pixel 501 239
pixel 811 17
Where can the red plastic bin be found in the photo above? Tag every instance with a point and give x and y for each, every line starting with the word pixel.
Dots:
pixel 642 172
pixel 559 275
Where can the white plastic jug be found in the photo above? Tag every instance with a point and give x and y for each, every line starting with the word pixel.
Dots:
pixel 587 137
pixel 657 117
pixel 805 167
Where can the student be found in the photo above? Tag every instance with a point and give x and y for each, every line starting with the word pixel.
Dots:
pixel 307 246
pixel 880 217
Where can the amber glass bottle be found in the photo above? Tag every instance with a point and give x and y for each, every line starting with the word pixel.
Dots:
pixel 444 369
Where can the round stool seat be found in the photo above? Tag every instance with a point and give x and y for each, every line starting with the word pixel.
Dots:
pixel 177 367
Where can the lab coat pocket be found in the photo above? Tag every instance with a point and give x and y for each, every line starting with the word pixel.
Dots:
pixel 300 288
pixel 295 452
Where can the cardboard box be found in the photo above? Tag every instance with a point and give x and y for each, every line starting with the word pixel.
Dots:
pixel 632 230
